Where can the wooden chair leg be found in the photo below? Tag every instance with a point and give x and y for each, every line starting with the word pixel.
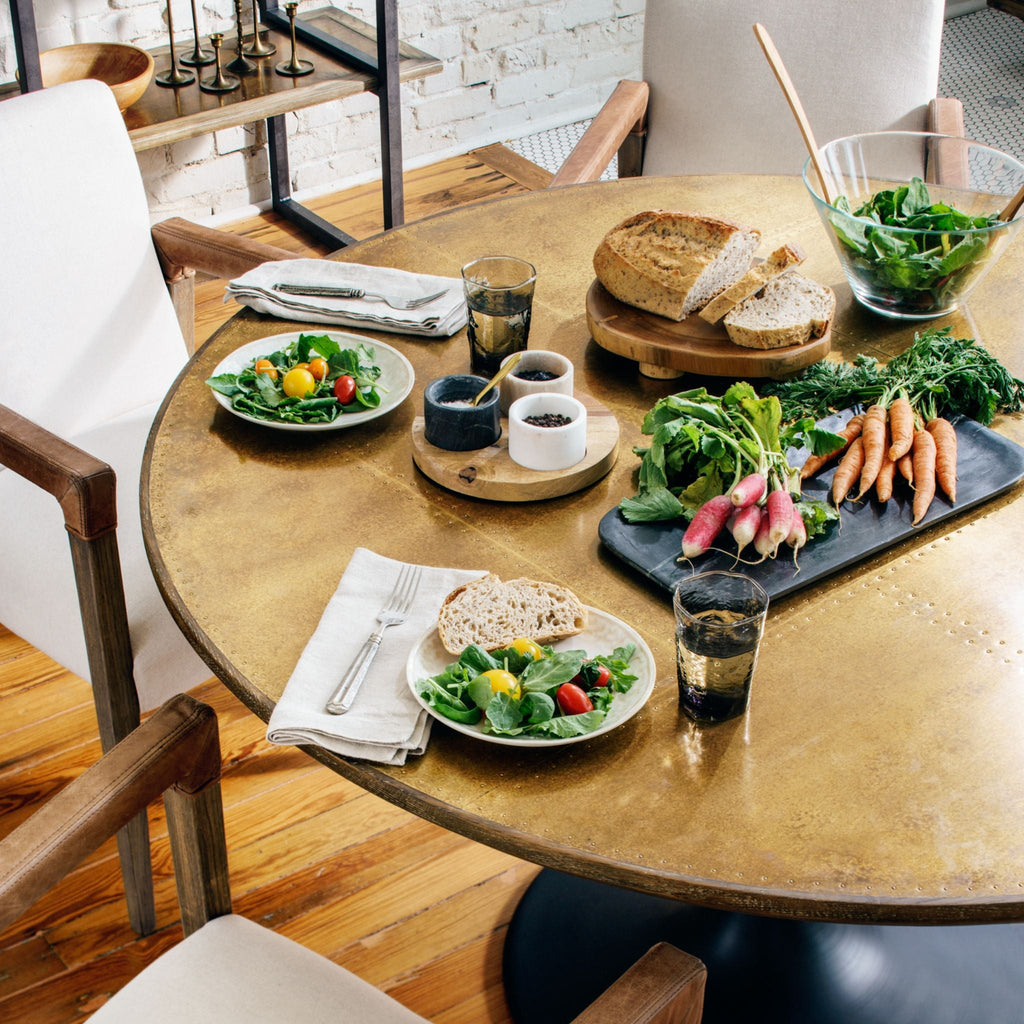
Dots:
pixel 105 622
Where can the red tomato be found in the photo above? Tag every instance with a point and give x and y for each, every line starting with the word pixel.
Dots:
pixel 345 389
pixel 572 700
pixel 603 675
pixel 592 675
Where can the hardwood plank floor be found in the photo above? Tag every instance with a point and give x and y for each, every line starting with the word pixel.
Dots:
pixel 416 910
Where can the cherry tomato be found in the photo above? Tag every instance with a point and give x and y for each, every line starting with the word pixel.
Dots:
pixel 525 646
pixel 298 383
pixel 572 700
pixel 318 367
pixel 591 675
pixel 301 366
pixel 345 389
pixel 267 367
pixel 604 673
pixel 502 682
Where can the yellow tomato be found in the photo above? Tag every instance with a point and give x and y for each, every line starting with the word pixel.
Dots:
pixel 298 383
pixel 502 682
pixel 318 367
pixel 267 367
pixel 525 646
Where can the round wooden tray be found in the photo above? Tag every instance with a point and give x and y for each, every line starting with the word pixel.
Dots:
pixel 490 473
pixel 668 348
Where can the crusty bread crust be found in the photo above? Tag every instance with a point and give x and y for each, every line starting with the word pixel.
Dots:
pixel 671 262
pixel 493 613
pixel 784 258
pixel 790 310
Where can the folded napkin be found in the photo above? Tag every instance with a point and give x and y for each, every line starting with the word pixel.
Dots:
pixel 440 318
pixel 386 723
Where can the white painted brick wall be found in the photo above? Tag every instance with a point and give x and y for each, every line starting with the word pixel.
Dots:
pixel 510 68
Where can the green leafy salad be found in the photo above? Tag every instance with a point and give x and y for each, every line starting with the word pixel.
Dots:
pixel 530 690
pixel 311 380
pixel 922 265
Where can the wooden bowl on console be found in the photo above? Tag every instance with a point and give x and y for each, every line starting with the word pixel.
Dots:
pixel 126 69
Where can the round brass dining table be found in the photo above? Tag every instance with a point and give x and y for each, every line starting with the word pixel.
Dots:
pixel 878 775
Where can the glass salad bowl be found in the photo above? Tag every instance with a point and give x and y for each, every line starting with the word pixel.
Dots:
pixel 914 216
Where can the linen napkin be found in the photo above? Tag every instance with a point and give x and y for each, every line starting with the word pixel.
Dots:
pixel 440 318
pixel 386 723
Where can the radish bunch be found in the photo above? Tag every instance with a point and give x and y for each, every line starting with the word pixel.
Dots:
pixel 720 462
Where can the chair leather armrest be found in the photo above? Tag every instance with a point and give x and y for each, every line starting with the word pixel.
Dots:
pixel 84 486
pixel 178 746
pixel 622 113
pixel 665 986
pixel 947 161
pixel 184 247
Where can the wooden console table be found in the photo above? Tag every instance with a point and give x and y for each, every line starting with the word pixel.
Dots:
pixel 347 55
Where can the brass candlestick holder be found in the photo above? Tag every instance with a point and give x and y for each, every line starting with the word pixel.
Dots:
pixel 293 67
pixel 199 57
pixel 222 81
pixel 173 76
pixel 257 47
pixel 241 65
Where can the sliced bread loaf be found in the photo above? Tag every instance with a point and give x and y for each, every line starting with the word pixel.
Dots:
pixel 789 310
pixel 672 262
pixel 492 613
pixel 784 258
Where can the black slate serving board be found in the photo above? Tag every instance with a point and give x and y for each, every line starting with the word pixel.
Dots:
pixel 987 465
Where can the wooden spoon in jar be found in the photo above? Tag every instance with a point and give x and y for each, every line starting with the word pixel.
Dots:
pixel 794 104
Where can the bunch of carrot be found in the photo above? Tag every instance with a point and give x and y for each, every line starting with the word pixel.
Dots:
pixel 893 437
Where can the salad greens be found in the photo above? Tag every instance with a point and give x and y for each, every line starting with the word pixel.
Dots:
pixel 702 445
pixel 464 694
pixel 921 265
pixel 949 376
pixel 262 395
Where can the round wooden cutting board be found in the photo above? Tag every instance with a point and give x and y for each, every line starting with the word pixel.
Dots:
pixel 668 348
pixel 490 472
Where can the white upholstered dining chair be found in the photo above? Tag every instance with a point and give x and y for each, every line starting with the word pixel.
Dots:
pixel 89 344
pixel 708 102
pixel 229 968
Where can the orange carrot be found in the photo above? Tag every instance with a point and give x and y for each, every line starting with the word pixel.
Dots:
pixel 901 426
pixel 945 454
pixel 816 462
pixel 848 470
pixel 883 482
pixel 905 464
pixel 873 436
pixel 924 473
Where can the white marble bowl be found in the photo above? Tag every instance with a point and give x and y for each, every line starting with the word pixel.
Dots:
pixel 513 387
pixel 547 447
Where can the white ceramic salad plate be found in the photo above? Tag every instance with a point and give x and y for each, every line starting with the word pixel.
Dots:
pixel 603 634
pixel 395 382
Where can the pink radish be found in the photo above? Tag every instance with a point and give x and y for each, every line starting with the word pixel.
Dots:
pixel 749 490
pixel 706 525
pixel 780 516
pixel 743 526
pixel 762 541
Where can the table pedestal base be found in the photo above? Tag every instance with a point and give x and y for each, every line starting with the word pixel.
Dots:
pixel 570 938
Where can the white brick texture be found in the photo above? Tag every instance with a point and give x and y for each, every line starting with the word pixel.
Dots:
pixel 510 67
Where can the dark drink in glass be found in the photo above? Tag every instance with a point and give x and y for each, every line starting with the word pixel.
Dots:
pixel 499 297
pixel 719 621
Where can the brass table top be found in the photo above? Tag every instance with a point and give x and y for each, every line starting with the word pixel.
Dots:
pixel 879 772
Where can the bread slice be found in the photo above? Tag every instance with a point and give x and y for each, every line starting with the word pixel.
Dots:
pixel 672 262
pixel 492 613
pixel 789 310
pixel 784 258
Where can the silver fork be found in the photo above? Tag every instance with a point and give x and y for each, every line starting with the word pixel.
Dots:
pixel 332 292
pixel 394 612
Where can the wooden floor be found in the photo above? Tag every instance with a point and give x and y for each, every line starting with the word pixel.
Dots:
pixel 416 910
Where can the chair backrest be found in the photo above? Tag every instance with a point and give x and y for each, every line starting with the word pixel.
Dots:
pixel 715 106
pixel 89 331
